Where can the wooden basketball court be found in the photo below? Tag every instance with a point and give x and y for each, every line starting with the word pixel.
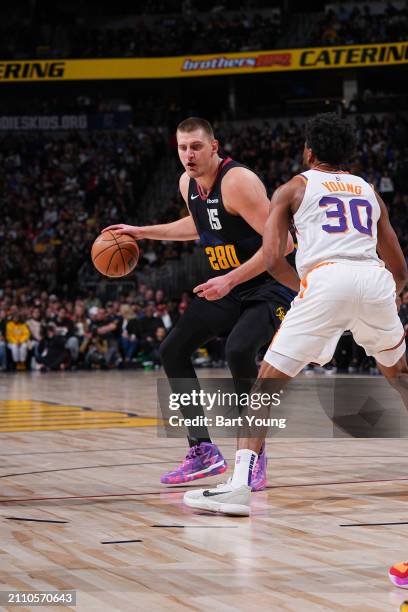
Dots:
pixel 82 508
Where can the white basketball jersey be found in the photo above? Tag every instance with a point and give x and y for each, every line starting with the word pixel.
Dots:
pixel 337 220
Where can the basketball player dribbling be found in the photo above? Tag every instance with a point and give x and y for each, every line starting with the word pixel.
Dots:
pixel 228 207
pixel 341 224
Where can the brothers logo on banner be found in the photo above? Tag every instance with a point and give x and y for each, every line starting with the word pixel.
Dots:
pixel 226 63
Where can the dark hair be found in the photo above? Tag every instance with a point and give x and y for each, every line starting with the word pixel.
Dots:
pixel 330 137
pixel 196 123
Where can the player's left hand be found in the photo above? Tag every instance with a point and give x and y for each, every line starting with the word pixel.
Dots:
pixel 215 288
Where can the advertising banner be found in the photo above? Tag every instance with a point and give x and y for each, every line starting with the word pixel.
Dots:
pixel 250 62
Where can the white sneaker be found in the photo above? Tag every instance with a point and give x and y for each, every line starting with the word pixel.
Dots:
pixel 222 499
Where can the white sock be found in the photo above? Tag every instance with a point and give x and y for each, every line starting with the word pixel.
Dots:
pixel 245 461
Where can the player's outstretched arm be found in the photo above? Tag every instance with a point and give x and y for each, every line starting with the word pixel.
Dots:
pixel 389 248
pixel 182 229
pixel 284 203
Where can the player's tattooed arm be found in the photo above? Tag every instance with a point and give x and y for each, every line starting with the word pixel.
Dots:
pixel 389 248
pixel 285 201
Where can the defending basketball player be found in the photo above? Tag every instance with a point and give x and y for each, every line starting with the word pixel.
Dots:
pixel 351 267
pixel 228 208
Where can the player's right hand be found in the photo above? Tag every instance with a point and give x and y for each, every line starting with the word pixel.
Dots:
pixel 132 230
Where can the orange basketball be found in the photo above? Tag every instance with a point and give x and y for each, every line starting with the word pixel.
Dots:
pixel 114 254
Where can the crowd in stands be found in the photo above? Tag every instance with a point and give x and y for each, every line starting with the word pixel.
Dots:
pixel 187 30
pixel 56 195
pixel 42 332
pixel 212 33
pixel 345 25
pixel 166 36
pixel 65 103
pixel 161 28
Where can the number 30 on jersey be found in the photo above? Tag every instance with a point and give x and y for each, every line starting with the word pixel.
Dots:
pixel 338 215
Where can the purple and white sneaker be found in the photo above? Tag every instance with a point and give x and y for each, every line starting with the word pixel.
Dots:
pixel 258 480
pixel 202 460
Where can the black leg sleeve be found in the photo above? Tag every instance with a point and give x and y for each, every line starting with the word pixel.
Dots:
pixel 254 329
pixel 175 353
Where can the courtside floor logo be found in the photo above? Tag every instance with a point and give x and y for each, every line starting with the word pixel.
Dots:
pixel 19 415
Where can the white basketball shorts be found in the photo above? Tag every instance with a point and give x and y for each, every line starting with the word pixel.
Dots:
pixel 334 297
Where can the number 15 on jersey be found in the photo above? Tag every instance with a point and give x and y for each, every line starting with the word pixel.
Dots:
pixel 213 218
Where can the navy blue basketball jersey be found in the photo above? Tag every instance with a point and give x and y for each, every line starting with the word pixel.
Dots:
pixel 228 240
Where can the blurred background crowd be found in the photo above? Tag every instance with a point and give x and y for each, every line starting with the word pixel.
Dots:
pixel 56 194
pixel 359 24
pixel 194 27
pixel 41 331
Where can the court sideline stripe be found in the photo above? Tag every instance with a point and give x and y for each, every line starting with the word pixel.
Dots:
pixel 196 526
pixel 102 450
pixel 34 520
pixel 372 524
pixel 233 444
pixel 82 467
pixel 154 448
pixel 311 484
pixel 120 541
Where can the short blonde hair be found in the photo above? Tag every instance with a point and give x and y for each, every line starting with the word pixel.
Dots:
pixel 196 123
